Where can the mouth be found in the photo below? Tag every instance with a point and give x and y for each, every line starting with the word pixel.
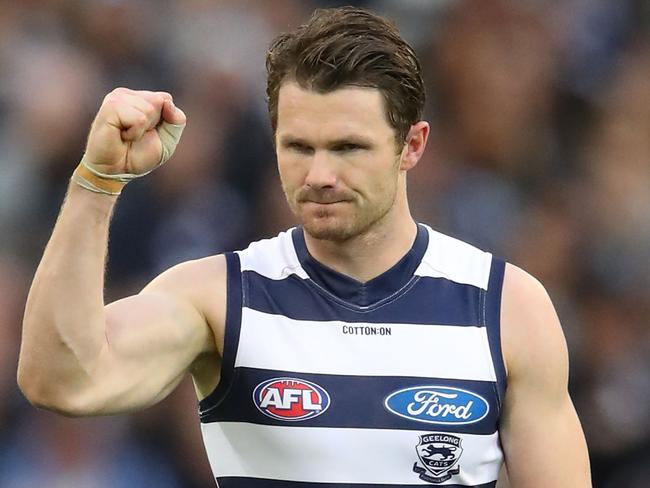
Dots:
pixel 324 199
pixel 322 202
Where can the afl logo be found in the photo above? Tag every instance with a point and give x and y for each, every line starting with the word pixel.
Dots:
pixel 438 405
pixel 290 399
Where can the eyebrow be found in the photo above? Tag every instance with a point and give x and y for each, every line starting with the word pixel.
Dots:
pixel 287 139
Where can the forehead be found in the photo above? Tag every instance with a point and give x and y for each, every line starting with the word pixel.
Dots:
pixel 347 110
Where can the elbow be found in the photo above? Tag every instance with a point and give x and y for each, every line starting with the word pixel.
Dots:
pixel 52 398
pixel 28 386
pixel 37 394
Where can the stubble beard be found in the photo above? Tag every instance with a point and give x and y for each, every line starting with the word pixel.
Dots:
pixel 340 226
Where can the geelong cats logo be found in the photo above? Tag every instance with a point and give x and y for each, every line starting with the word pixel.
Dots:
pixel 438 453
pixel 290 399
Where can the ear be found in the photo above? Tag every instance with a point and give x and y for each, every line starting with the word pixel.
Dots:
pixel 416 141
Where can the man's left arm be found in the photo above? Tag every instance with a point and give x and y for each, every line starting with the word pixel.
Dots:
pixel 541 435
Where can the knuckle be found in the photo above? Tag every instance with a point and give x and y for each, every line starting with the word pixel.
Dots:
pixel 115 94
pixel 154 101
pixel 111 101
pixel 149 109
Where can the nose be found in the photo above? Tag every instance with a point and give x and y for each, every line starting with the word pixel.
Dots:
pixel 322 171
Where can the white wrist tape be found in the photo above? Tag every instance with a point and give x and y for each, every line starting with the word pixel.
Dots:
pixel 170 135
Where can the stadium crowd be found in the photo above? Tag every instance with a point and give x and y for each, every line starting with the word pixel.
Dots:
pixel 540 153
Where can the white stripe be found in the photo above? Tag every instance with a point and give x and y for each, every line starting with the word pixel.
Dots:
pixel 432 351
pixel 445 257
pixel 274 258
pixel 328 455
pixel 455 260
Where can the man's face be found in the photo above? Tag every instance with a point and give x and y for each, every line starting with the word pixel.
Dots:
pixel 337 157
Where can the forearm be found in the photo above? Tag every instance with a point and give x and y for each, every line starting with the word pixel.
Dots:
pixel 64 327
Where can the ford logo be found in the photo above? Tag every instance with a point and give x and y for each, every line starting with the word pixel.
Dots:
pixel 438 405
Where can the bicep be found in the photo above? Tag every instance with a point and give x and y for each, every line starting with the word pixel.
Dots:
pixel 152 340
pixel 541 434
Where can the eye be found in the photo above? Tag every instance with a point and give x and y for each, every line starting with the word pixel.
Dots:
pixel 299 148
pixel 347 147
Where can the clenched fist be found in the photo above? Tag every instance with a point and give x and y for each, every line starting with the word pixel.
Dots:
pixel 133 133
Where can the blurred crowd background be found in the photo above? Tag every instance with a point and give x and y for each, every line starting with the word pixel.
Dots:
pixel 540 153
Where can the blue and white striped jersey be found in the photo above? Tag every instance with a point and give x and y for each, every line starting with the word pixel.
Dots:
pixel 327 382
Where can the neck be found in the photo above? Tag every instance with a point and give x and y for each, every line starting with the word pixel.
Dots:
pixel 370 254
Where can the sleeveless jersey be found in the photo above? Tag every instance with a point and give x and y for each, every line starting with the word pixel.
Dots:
pixel 327 382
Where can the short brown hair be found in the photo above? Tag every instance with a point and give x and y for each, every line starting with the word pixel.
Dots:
pixel 349 46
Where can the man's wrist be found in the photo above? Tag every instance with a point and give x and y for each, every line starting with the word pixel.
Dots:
pixel 90 181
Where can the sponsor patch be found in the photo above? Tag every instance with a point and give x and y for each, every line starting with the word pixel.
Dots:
pixel 438 454
pixel 290 399
pixel 438 405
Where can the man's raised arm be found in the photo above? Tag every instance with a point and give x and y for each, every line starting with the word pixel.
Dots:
pixel 77 356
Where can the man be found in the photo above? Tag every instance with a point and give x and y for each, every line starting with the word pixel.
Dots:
pixel 360 349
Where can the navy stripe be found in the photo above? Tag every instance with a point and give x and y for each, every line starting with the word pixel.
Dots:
pixel 353 291
pixel 355 402
pixel 231 334
pixel 493 323
pixel 240 482
pixel 424 300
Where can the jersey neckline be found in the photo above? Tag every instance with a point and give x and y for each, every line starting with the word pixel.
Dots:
pixel 355 292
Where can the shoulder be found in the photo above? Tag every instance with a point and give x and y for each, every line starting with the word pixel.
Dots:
pixel 455 260
pixel 532 339
pixel 204 281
